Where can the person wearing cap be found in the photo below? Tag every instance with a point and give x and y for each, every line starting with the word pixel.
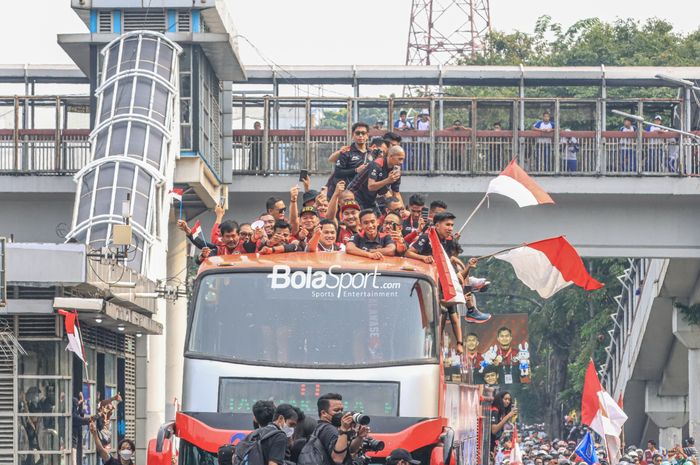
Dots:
pixel 655 148
pixel 308 219
pixel 401 457
pixel 324 238
pixel 543 145
pixel 350 217
pixel 369 243
pixel 628 154
pixel 308 198
pixel 420 158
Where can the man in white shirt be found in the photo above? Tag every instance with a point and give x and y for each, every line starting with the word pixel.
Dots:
pixel 628 155
pixel 421 162
pixel 569 149
pixel 655 148
pixel 543 145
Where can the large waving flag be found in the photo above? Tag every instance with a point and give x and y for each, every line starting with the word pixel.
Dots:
pixel 586 450
pixel 515 183
pixel 75 340
pixel 548 266
pixel 600 411
pixel 451 287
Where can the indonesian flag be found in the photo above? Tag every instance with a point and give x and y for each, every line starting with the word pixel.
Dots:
pixel 75 340
pixel 196 229
pixel 600 411
pixel 451 287
pixel 515 183
pixel 516 455
pixel 548 266
pixel 176 193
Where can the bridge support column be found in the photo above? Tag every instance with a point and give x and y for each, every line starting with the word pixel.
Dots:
pixel 689 335
pixel 669 413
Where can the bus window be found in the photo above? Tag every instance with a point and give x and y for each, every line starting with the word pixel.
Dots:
pixel 251 317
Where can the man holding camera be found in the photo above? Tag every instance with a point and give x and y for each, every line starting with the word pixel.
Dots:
pixel 337 431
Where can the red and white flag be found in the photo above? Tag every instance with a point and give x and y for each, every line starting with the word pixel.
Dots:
pixel 75 340
pixel 516 454
pixel 176 193
pixel 451 287
pixel 197 229
pixel 548 266
pixel 600 411
pixel 515 183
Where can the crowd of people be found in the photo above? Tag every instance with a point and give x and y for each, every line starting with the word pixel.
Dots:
pixel 538 448
pixel 283 434
pixel 359 211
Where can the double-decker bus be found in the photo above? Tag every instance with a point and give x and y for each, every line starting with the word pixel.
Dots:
pixel 292 327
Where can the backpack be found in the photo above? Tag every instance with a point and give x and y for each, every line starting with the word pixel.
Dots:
pixel 313 452
pixel 250 450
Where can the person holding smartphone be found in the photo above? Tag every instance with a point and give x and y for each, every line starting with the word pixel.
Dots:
pixel 384 179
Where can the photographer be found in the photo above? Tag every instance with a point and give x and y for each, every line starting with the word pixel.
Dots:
pixel 339 435
pixel 401 457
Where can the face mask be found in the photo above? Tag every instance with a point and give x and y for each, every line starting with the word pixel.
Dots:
pixel 125 455
pixel 335 419
pixel 288 430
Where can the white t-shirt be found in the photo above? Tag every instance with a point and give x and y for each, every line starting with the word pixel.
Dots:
pixel 543 125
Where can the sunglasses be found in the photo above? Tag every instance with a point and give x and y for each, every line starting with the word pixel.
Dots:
pixel 282 210
pixel 360 133
pixel 248 234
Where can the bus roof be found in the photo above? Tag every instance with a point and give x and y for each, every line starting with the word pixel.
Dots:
pixel 320 260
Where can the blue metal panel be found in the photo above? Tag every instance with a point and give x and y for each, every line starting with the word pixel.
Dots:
pixel 195 21
pixel 93 20
pixel 117 21
pixel 172 21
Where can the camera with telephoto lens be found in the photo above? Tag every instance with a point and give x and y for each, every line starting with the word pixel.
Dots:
pixel 360 418
pixel 372 445
pixel 369 444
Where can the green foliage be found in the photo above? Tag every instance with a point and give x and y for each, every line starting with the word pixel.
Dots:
pixel 691 313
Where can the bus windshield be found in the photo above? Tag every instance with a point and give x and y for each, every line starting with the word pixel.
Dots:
pixel 314 318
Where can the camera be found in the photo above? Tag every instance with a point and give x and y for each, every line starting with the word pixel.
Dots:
pixel 372 445
pixel 376 153
pixel 369 444
pixel 360 418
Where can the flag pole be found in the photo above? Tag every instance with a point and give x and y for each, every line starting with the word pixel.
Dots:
pixel 473 213
pixel 180 210
pixel 483 257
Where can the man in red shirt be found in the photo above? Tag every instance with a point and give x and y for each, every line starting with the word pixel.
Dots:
pixel 471 360
pixel 309 219
pixel 230 241
pixel 324 238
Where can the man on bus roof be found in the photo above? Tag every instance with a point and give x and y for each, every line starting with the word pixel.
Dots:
pixel 369 243
pixel 324 237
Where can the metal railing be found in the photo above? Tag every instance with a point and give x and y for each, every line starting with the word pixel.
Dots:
pixel 301 133
pixel 41 151
pixel 478 152
pixel 638 274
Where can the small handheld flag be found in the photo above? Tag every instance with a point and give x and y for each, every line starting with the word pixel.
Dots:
pixel 75 340
pixel 176 194
pixel 197 229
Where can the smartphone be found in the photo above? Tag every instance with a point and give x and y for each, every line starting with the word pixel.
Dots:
pixel 395 227
pixel 222 201
pixel 397 168
pixel 424 213
pixel 303 174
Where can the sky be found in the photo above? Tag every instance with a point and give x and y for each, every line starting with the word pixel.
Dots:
pixel 320 32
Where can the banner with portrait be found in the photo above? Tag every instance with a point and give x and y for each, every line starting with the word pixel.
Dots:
pixel 496 352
